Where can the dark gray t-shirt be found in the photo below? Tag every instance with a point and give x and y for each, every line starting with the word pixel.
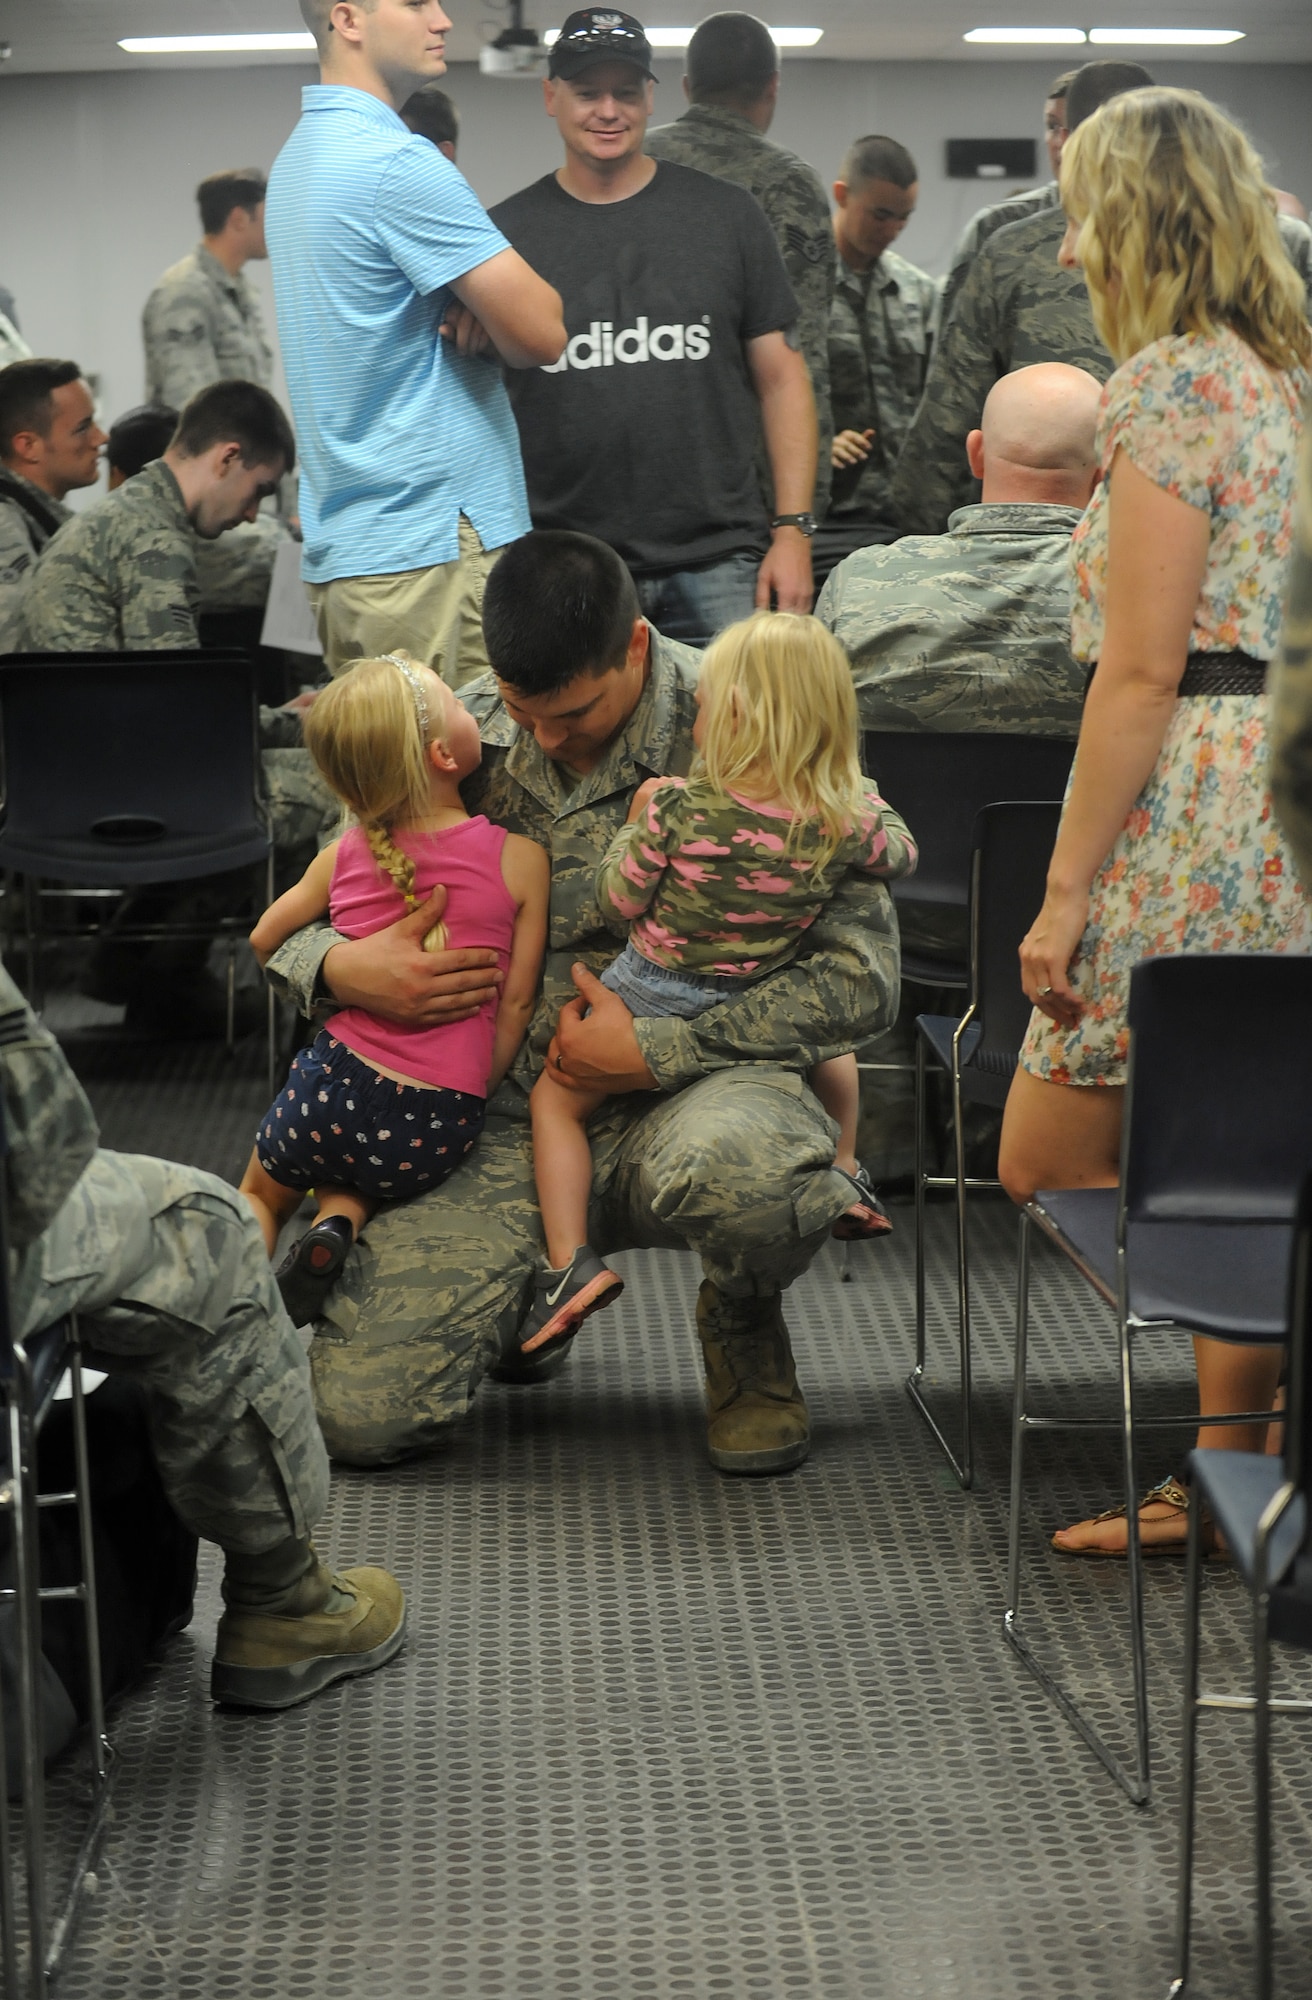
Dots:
pixel 645 432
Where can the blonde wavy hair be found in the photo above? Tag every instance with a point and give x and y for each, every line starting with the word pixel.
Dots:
pixel 1177 229
pixel 364 734
pixel 780 723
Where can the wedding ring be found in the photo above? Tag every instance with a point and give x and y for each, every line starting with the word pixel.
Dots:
pixel 1044 991
pixel 560 1060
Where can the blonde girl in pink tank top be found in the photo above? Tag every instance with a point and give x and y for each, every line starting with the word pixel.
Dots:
pixel 377 1111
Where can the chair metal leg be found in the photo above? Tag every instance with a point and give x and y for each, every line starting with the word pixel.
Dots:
pixel 1262 1984
pixel 101 1754
pixel 966 1471
pixel 28 1580
pixel 961 1466
pixel 1134 1564
pixel 919 1369
pixel 8 1913
pixel 1134 1783
pixel 90 1603
pixel 1188 1748
pixel 1018 1428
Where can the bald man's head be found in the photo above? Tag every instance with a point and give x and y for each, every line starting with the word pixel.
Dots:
pixel 1036 436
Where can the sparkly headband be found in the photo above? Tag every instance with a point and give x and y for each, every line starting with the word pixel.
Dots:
pixel 416 689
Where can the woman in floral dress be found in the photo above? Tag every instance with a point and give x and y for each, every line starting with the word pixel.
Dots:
pixel 1167 840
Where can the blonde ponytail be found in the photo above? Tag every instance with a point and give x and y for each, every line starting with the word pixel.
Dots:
pixel 366 736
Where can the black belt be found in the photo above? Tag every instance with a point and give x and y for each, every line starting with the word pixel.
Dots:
pixel 1215 673
pixel 1222 673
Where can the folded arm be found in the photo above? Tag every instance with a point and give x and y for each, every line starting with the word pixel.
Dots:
pixel 520 312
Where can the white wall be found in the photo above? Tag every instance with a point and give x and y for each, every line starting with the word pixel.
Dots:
pixel 99 170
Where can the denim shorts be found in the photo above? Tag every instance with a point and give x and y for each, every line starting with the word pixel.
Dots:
pixel 338 1123
pixel 649 990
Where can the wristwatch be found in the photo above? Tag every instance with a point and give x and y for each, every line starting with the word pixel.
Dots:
pixel 805 523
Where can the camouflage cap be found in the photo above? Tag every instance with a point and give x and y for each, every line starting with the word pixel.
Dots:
pixel 597 35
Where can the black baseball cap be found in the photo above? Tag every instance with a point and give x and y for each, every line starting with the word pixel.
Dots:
pixel 597 35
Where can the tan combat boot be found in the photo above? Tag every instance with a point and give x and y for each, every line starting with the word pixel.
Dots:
pixel 756 1415
pixel 285 1635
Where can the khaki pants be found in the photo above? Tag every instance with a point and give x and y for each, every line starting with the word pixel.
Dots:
pixel 435 614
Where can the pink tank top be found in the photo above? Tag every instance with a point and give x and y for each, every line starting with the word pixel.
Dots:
pixel 480 911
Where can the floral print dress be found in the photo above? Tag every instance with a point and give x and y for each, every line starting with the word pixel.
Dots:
pixel 1200 864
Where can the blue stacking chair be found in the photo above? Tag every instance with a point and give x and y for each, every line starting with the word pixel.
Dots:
pixel 158 780
pixel 938 781
pixel 31 1368
pixel 1260 1505
pixel 1012 848
pixel 1216 1141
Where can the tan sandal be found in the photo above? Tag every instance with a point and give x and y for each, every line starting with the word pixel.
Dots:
pixel 1168 1493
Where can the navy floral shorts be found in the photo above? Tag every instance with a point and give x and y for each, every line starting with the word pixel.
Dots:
pixel 338 1123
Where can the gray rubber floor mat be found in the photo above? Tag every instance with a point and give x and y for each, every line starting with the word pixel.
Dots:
pixel 659 1735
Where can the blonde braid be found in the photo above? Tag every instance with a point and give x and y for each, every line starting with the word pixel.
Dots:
pixel 397 864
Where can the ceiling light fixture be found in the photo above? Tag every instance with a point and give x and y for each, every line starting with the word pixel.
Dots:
pixel 213 45
pixel 679 38
pixel 1184 38
pixel 1063 37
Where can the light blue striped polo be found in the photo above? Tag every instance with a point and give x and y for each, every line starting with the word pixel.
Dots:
pixel 398 435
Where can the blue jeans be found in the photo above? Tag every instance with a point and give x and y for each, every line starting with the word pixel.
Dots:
pixel 654 992
pixel 694 604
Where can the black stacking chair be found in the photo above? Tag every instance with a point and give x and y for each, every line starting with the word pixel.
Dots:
pixel 1260 1505
pixel 1013 845
pixel 125 770
pixel 939 782
pixel 1216 1142
pixel 31 1368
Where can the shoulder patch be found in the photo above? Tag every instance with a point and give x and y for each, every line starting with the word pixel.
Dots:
pixel 814 248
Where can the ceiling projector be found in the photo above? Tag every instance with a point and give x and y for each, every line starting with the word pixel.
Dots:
pixel 516 52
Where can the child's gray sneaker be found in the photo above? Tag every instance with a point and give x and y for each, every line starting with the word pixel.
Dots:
pixel 562 1300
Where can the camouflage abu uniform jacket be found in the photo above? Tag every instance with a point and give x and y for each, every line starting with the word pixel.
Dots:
pixel 202 324
pixel 123 576
pixel 170 1275
pixel 879 344
pixel 1015 306
pixel 985 223
pixel 1290 687
pixel 28 520
pixel 837 991
pixel 964 631
pixel 725 144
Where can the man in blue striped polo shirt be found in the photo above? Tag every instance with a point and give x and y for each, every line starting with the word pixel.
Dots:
pixel 395 297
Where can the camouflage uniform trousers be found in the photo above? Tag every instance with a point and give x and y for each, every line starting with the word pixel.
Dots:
pixel 737 1167
pixel 168 1273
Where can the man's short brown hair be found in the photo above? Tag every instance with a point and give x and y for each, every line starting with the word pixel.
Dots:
pixel 26 388
pixel 317 16
pixel 219 194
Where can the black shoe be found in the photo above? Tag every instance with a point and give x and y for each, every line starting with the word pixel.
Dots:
pixel 309 1270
